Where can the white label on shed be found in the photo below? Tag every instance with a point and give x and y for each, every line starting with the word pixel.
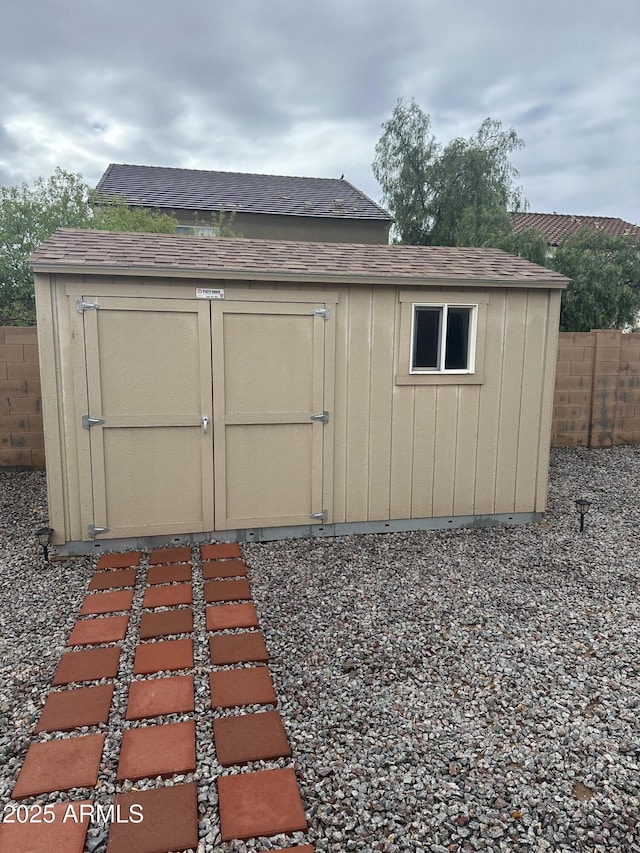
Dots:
pixel 209 293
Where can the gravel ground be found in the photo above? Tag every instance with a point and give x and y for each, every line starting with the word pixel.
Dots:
pixel 444 691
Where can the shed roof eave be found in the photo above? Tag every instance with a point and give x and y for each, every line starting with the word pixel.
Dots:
pixel 292 276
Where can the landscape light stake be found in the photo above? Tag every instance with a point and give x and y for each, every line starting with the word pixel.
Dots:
pixel 43 535
pixel 582 505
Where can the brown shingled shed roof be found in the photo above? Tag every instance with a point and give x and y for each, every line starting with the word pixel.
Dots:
pixel 80 251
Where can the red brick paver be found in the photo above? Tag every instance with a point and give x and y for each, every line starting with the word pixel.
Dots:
pixel 88 665
pixel 166 622
pixel 223 616
pixel 59 765
pixel 250 737
pixel 170 821
pixel 232 688
pixel 220 551
pixel 103 629
pixel 254 805
pixel 157 696
pixel 251 805
pixel 70 709
pixel 55 836
pixel 158 751
pixel 165 655
pixel 238 648
pixel 115 579
pixel 168 596
pixel 170 555
pixel 169 574
pixel 224 569
pixel 107 602
pixel 119 561
pixel 304 848
pixel 227 591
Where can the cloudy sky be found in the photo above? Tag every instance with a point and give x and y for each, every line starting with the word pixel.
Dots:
pixel 301 87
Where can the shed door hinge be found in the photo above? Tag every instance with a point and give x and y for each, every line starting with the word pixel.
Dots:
pixel 82 306
pixel 322 312
pixel 320 516
pixel 88 422
pixel 94 531
pixel 321 416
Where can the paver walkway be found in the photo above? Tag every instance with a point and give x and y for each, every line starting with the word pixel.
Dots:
pixel 254 804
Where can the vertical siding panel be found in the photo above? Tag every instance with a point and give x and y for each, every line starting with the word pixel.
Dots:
pixel 510 397
pixel 52 401
pixel 549 371
pixel 466 449
pixel 402 450
pixel 339 415
pixel 531 400
pixel 381 385
pixel 402 439
pixel 445 449
pixel 489 408
pixel 358 398
pixel 424 440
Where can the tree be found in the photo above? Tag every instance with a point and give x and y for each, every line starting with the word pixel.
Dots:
pixel 459 195
pixel 604 292
pixel 30 214
pixel 114 214
pixel 528 243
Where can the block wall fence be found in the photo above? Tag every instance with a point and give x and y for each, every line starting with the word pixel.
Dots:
pixel 21 436
pixel 597 393
pixel 596 401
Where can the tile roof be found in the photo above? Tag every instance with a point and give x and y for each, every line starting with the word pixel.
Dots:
pixel 209 257
pixel 557 227
pixel 197 189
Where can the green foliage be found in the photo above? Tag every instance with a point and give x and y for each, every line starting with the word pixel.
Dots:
pixel 403 165
pixel 30 214
pixel 221 223
pixel 115 215
pixel 458 195
pixel 528 243
pixel 605 289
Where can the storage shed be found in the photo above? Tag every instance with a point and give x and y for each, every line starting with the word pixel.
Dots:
pixel 197 388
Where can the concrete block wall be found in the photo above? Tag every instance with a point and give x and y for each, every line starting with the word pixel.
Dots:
pixel 21 434
pixel 597 394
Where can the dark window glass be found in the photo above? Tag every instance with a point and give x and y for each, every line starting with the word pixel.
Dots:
pixel 456 355
pixel 426 338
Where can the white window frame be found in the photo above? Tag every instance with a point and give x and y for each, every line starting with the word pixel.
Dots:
pixel 431 297
pixel 442 337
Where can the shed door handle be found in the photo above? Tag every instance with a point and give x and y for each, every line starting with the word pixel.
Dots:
pixel 205 424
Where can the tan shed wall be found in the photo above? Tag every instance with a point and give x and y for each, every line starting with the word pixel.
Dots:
pixel 412 451
pixel 266 226
pixel 21 432
pixel 400 450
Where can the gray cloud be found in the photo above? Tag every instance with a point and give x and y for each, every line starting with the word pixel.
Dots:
pixel 301 88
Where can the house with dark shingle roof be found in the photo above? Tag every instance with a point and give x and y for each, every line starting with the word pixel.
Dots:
pixel 262 206
pixel 557 227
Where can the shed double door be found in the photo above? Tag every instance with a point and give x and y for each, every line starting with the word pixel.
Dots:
pixel 203 416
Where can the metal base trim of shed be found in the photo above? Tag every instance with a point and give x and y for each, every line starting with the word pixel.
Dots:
pixel 310 531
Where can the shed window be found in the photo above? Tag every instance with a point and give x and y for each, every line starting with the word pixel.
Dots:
pixel 443 338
